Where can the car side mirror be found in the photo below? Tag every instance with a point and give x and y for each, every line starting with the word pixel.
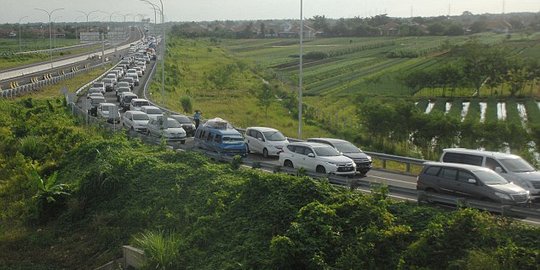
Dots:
pixel 311 155
pixel 472 181
pixel 498 169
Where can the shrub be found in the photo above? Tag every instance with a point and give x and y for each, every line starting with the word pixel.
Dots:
pixel 161 249
pixel 186 103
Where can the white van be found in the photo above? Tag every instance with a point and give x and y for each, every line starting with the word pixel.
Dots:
pixel 513 168
pixel 137 103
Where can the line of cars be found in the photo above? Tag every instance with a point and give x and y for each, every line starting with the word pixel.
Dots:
pixel 322 155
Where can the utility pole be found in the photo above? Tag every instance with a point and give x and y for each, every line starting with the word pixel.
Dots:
pixel 20 43
pixel 301 70
pixel 49 13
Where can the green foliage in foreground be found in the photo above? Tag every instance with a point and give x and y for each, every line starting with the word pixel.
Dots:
pixel 189 213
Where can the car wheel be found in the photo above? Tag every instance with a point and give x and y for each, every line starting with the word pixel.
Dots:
pixel 247 149
pixel 320 169
pixel 265 153
pixel 183 142
pixel 288 164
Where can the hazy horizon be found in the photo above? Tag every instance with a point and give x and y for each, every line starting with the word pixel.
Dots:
pixel 210 10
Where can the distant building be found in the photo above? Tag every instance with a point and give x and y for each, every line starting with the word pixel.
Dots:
pixel 87 37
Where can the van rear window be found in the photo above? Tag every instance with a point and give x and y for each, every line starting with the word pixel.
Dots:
pixel 462 158
pixel 432 170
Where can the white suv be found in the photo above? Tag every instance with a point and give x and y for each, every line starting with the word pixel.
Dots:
pixel 316 157
pixel 267 141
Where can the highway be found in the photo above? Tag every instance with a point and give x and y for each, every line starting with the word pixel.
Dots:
pixel 401 186
pixel 24 74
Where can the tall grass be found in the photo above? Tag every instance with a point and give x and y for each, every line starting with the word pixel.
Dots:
pixel 161 249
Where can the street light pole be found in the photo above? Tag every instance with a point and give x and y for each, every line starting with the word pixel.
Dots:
pixel 49 13
pixel 300 77
pixel 164 53
pixel 164 46
pixel 20 46
pixel 87 15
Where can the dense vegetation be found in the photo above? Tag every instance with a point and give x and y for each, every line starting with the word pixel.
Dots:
pixel 343 76
pixel 71 195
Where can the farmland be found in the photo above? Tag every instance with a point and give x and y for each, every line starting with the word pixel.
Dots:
pixel 10 59
pixel 223 78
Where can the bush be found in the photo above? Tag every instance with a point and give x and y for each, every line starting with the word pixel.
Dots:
pixel 315 55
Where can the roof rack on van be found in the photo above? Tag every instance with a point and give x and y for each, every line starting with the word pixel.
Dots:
pixel 217 123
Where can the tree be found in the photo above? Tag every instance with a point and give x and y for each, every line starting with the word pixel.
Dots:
pixel 320 23
pixel 187 106
pixel 436 29
pixel 262 30
pixel 517 77
pixel 265 97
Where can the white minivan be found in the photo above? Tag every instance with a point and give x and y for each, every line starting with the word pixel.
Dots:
pixel 264 140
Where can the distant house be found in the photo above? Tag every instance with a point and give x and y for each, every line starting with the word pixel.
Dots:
pixel 12 34
pixel 499 26
pixel 390 29
pixel 293 31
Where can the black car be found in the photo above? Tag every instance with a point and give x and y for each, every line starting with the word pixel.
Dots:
pixel 362 160
pixel 186 123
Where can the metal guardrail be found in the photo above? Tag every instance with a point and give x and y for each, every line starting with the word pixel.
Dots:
pixel 422 196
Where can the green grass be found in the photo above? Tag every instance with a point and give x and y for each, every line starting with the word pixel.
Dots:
pixel 533 112
pixel 456 108
pixel 12 44
pixel 512 113
pixel 71 85
pixel 491 110
pixel 191 64
pixel 16 60
pixel 473 114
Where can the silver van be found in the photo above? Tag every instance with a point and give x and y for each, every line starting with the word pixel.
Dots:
pixel 470 181
pixel 513 168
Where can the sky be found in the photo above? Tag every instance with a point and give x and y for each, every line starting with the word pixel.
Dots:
pixel 208 10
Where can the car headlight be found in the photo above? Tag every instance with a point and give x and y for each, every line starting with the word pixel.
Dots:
pixel 369 158
pixel 503 196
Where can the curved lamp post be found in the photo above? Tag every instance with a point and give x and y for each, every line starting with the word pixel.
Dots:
pixel 49 13
pixel 20 46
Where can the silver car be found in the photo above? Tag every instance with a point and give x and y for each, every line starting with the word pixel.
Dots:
pixel 167 128
pixel 470 181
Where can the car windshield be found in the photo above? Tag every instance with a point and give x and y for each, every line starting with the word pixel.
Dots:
pixel 274 136
pixel 517 165
pixel 140 117
pixel 153 111
pixel 233 139
pixel 97 85
pixel 106 108
pixel 347 147
pixel 141 103
pixel 490 177
pixel 182 119
pixel 326 151
pixel 98 100
pixel 123 84
pixel 171 123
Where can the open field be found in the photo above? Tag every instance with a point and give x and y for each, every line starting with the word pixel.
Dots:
pixel 16 60
pixel 12 44
pixel 224 77
pixel 220 86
